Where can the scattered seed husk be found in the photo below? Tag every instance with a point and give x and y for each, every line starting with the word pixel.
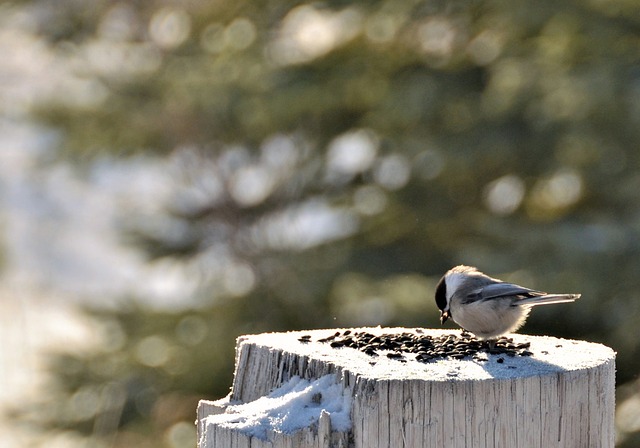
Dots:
pixel 424 347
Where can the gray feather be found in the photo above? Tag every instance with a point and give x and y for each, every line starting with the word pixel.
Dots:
pixel 496 290
pixel 520 294
pixel 549 299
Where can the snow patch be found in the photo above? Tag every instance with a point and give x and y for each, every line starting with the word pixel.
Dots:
pixel 297 404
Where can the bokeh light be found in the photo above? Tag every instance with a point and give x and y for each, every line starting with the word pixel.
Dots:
pixel 176 174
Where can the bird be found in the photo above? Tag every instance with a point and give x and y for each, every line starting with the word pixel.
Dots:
pixel 486 306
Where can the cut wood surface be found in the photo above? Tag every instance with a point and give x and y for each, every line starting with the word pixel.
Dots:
pixel 557 393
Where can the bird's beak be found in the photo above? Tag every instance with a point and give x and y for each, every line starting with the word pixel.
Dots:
pixel 444 315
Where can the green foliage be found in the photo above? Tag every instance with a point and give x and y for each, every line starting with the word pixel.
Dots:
pixel 424 134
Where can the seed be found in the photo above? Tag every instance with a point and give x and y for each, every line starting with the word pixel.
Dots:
pixel 425 347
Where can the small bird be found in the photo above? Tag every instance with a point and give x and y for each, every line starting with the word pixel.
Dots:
pixel 485 306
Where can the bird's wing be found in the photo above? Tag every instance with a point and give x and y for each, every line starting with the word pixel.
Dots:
pixel 496 290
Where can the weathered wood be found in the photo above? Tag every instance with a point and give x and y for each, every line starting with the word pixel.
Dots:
pixel 561 396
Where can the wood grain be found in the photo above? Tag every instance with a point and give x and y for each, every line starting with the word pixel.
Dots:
pixel 561 396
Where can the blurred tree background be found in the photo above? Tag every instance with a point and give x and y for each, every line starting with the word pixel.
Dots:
pixel 329 161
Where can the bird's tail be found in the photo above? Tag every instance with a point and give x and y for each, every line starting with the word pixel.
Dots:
pixel 548 299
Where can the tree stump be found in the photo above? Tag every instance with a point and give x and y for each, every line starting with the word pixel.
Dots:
pixel 414 388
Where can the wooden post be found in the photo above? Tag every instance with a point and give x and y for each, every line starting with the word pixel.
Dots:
pixel 530 392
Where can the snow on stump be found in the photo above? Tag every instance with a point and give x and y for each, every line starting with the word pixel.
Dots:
pixel 414 388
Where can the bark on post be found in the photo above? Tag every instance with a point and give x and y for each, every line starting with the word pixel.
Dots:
pixel 556 393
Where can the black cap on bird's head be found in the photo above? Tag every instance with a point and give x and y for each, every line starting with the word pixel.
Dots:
pixel 441 300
